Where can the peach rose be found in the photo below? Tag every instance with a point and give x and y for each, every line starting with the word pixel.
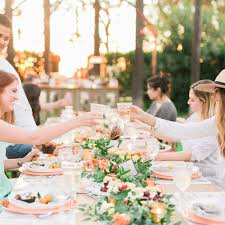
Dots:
pixel 121 219
pixel 95 162
pixel 103 164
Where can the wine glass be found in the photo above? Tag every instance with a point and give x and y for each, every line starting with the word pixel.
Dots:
pixel 182 178
pixel 124 110
pixel 152 148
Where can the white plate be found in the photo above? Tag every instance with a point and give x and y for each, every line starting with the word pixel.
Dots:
pixel 212 201
pixel 168 169
pixel 31 166
pixel 57 201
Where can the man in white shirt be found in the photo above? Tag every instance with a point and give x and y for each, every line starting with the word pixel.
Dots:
pixel 22 109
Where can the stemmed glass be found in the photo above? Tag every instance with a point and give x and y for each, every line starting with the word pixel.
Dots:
pixel 182 179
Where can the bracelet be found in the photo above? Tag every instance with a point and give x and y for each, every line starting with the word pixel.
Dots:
pixel 20 162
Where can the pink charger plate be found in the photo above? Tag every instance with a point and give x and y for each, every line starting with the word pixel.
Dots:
pixel 201 220
pixel 6 204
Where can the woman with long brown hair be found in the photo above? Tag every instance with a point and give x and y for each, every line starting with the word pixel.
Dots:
pixel 212 127
pixel 10 133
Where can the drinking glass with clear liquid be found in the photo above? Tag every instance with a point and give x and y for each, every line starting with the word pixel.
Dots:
pixel 152 148
pixel 182 178
pixel 72 174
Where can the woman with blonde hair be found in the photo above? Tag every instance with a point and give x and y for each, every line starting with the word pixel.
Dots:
pixel 201 103
pixel 212 127
pixel 201 151
pixel 10 133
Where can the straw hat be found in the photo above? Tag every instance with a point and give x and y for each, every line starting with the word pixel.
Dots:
pixel 219 82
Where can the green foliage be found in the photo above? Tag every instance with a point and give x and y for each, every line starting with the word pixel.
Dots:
pixel 101 146
pixel 121 195
pixel 175 27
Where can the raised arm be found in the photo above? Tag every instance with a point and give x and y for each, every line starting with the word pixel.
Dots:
pixel 184 131
pixel 13 134
pixel 176 130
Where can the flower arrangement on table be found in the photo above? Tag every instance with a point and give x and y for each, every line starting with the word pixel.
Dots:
pixel 130 204
pixel 131 198
pixel 104 164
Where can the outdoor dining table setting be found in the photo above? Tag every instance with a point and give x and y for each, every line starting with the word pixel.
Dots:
pixel 107 175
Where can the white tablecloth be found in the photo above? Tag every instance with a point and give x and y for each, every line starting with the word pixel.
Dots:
pixel 54 184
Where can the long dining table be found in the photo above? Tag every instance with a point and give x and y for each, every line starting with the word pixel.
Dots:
pixel 57 184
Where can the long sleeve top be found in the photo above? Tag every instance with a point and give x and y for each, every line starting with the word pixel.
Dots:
pixel 201 139
pixel 182 131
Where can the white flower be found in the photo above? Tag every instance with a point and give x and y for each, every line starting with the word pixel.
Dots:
pixel 111 211
pixel 106 207
pixel 130 185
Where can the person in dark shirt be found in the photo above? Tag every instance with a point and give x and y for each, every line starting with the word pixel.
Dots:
pixel 158 91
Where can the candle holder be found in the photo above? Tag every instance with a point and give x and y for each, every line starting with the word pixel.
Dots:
pixel 158 211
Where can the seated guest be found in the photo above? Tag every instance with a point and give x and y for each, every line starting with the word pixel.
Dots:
pixel 11 134
pixel 158 91
pixel 33 92
pixel 23 114
pixel 202 151
pixel 213 127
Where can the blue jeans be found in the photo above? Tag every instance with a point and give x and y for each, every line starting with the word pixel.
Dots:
pixel 17 151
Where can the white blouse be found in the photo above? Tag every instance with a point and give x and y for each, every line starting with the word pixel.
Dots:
pixel 186 131
pixel 201 139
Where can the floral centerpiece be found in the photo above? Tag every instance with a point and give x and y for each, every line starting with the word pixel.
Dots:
pixel 131 195
pixel 105 164
pixel 128 204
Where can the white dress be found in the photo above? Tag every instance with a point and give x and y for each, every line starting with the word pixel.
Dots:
pixel 201 139
pixel 5 185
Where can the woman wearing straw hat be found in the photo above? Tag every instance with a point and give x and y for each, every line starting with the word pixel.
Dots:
pixel 214 126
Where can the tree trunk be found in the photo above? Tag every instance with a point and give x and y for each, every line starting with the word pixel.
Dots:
pixel 196 38
pixel 138 75
pixel 46 5
pixel 96 68
pixel 10 49
pixel 96 34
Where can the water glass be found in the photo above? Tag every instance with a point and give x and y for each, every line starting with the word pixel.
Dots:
pixel 72 174
pixel 65 154
pixel 152 148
